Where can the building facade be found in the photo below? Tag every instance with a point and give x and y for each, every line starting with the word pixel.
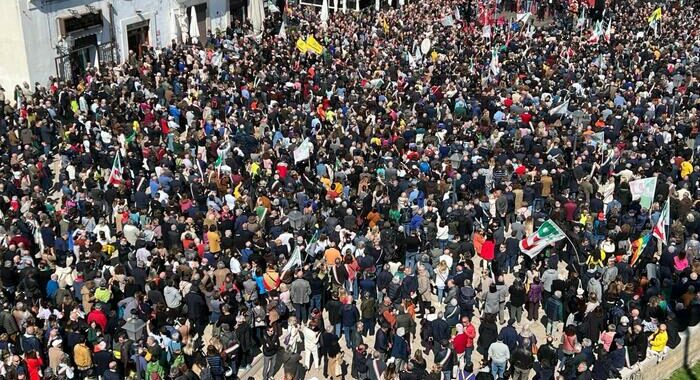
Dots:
pixel 61 38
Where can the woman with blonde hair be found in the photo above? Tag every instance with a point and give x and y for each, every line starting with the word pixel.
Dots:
pixel 442 272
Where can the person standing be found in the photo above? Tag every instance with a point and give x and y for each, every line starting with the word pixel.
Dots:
pixel 522 361
pixel 271 346
pixel 517 300
pixel 299 292
pixel 499 355
pixel 555 312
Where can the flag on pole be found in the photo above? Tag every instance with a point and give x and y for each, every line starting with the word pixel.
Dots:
pixel 547 234
pixel 303 152
pixel 283 31
pixel 638 246
pixel 294 260
pixel 643 191
pixel 597 32
pixel 659 230
pixel 560 109
pixel 314 45
pixel 115 176
pixel 608 31
pixel 495 69
pixel 655 16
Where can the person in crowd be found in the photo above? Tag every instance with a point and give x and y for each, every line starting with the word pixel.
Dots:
pixel 426 177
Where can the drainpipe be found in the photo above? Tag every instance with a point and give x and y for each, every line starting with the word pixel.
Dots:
pixel 113 31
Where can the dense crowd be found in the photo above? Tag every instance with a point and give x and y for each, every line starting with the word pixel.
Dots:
pixel 359 212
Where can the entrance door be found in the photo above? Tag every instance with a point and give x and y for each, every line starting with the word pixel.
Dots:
pixel 137 37
pixel 84 54
pixel 237 10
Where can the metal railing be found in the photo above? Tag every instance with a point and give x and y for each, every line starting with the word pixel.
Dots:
pixel 68 68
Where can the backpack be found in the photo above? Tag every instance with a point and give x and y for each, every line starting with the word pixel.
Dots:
pixel 615 313
pixel 467 296
pixel 282 309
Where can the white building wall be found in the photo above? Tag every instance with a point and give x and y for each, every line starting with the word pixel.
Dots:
pixel 42 35
pixel 31 30
pixel 13 55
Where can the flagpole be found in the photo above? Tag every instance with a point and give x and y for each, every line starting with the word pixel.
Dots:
pixel 578 257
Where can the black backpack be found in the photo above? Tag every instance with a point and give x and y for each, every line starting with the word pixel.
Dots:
pixel 467 297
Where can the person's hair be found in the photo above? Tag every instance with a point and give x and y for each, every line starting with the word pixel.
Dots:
pixel 418 356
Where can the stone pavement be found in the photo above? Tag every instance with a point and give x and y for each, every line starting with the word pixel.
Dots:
pixel 536 327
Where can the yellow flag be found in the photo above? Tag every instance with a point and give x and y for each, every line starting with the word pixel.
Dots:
pixel 385 26
pixel 655 15
pixel 314 45
pixel 302 46
pixel 237 190
pixel 434 55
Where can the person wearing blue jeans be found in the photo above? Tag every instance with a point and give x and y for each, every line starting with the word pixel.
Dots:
pixel 498 369
pixel 349 317
pixel 315 302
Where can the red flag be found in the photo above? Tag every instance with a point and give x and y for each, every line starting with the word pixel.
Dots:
pixel 115 176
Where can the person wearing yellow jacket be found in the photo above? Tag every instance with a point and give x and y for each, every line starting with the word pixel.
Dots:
pixel 657 342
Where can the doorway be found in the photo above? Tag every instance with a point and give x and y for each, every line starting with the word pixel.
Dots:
pixel 138 38
pixel 84 54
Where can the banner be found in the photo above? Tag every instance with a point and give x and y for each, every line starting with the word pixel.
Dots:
pixel 314 45
pixel 547 234
pixel 643 191
pixel 302 46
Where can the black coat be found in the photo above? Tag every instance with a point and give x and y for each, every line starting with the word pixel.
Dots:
pixel 488 333
pixel 197 309
pixel 329 344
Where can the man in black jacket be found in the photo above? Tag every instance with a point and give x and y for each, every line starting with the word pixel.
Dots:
pixel 330 348
pixel 381 341
pixel 197 309
pixel 547 358
pixel 271 345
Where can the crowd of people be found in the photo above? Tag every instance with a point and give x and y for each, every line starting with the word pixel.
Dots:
pixel 359 213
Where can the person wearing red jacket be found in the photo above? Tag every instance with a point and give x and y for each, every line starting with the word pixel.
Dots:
pixel 464 341
pixel 98 316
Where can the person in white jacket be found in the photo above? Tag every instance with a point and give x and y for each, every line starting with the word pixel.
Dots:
pixel 310 346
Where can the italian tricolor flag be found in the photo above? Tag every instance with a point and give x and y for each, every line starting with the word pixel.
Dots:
pixel 115 176
pixel 659 230
pixel 547 234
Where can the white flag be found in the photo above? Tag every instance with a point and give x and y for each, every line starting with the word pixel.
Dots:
pixel 303 152
pixel 283 31
pixel 560 109
pixel 295 259
pixel 643 190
